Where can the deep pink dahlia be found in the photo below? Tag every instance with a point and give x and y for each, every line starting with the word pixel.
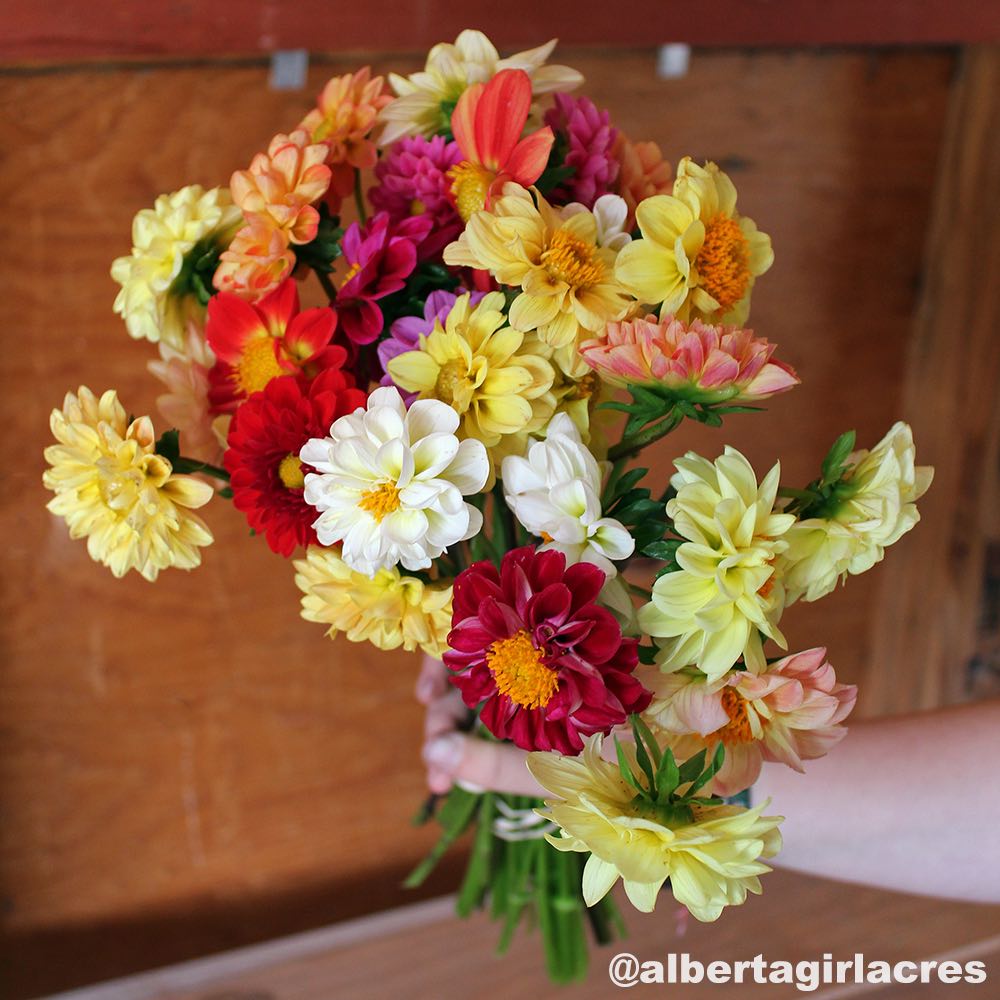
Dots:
pixel 589 137
pixel 412 180
pixel 548 665
pixel 380 255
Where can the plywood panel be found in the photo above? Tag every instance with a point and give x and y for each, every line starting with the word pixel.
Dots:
pixel 187 766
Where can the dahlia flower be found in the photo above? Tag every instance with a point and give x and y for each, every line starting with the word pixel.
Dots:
pixel 712 862
pixel 257 342
pixel 726 593
pixel 380 257
pixel 590 138
pixel 346 112
pixel 413 179
pixel 790 713
pixel 405 332
pixel 256 262
pixel 425 100
pixel 284 183
pixel 555 492
pixel 643 172
pixel 114 490
pixel 389 483
pixel 185 404
pixel 157 297
pixel 691 361
pixel 495 378
pixel 875 508
pixel 567 281
pixel 487 123
pixel 265 438
pixel 697 255
pixel 610 213
pixel 388 610
pixel 548 665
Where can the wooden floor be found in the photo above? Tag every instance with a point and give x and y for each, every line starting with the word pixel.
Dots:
pixel 424 953
pixel 188 767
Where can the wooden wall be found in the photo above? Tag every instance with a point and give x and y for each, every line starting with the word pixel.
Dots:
pixel 188 766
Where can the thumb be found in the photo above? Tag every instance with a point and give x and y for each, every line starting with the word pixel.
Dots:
pixel 499 767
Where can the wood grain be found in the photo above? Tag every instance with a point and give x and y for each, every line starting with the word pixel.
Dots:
pixel 929 617
pixel 187 766
pixel 50 29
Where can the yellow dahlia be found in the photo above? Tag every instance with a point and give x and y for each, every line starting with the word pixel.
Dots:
pixel 388 609
pixel 726 595
pixel 566 278
pixel 425 100
pixel 877 506
pixel 114 490
pixel 712 856
pixel 698 256
pixel 495 377
pixel 159 280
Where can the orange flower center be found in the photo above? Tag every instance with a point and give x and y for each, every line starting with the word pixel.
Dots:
pixel 258 364
pixel 737 729
pixel 290 473
pixel 470 184
pixel 723 262
pixel 381 501
pixel 519 672
pixel 572 260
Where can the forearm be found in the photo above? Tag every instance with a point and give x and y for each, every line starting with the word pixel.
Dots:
pixel 911 803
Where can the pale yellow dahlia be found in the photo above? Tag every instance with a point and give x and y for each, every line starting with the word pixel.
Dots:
pixel 159 292
pixel 114 490
pixel 567 282
pixel 425 100
pixel 495 377
pixel 726 594
pixel 388 609
pixel 698 256
pixel 877 507
pixel 711 859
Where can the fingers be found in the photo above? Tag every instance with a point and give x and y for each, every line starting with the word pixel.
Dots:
pixel 444 714
pixel 432 681
pixel 455 757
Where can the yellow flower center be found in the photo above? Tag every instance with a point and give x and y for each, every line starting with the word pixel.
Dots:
pixel 417 207
pixel 451 381
pixel 572 260
pixel 470 183
pixel 519 672
pixel 290 473
pixel 723 262
pixel 380 501
pixel 737 729
pixel 258 364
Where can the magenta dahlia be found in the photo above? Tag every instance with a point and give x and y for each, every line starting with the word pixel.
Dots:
pixel 546 663
pixel 589 137
pixel 413 180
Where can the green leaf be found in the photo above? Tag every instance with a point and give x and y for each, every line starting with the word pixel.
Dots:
pixel 647 655
pixel 667 776
pixel 833 465
pixel 692 767
pixel 628 480
pixel 169 445
pixel 709 772
pixel 643 759
pixel 625 767
pixel 454 816
pixel 642 730
pixel 666 550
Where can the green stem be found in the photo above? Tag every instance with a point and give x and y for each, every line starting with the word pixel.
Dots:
pixel 189 465
pixel 787 491
pixel 359 198
pixel 643 592
pixel 503 519
pixel 634 443
pixel 328 285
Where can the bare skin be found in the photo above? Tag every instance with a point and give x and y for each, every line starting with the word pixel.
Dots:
pixel 909 803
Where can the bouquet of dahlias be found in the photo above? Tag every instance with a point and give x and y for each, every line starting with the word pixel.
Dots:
pixel 526 300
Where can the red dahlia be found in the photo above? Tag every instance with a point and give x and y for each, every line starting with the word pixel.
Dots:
pixel 549 666
pixel 265 438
